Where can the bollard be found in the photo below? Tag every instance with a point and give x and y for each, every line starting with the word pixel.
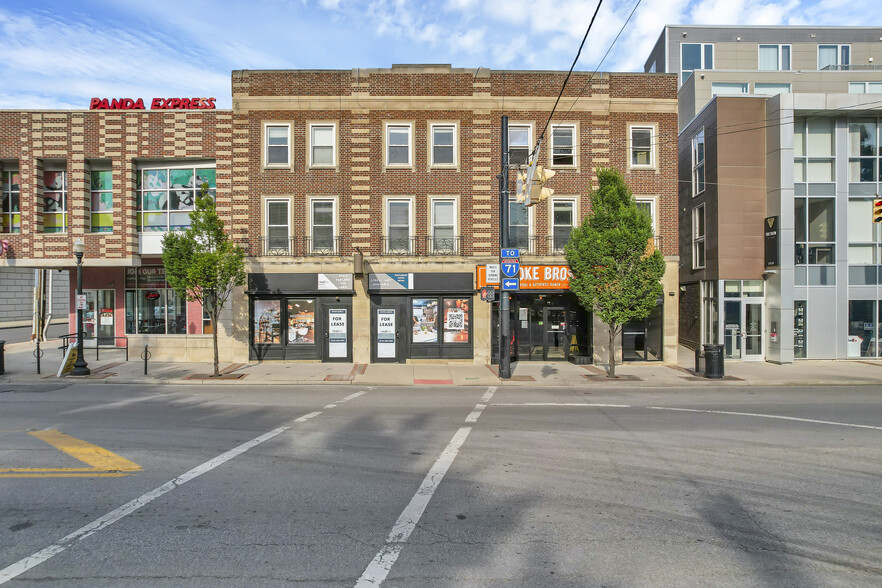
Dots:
pixel 145 356
pixel 713 361
pixel 698 360
pixel 2 360
pixel 38 353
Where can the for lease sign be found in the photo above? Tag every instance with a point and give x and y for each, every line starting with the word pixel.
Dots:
pixel 535 277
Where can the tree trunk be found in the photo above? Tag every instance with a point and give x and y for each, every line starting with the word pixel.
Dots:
pixel 612 351
pixel 214 336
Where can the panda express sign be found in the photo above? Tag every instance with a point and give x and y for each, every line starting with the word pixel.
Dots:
pixel 155 104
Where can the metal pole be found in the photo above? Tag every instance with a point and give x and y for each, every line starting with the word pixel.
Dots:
pixel 80 366
pixel 504 306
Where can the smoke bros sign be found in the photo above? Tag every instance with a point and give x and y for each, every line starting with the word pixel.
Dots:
pixel 156 104
pixel 535 277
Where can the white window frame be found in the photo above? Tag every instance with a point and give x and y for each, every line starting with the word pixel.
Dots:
pixel 529 145
pixel 169 166
pixel 266 225
pixel 445 199
pixel 699 240
pixel 683 77
pixel 311 221
pixel 333 145
pixel 699 138
pixel 551 202
pixel 387 128
pixel 780 47
pixel 865 86
pixel 653 133
pixel 759 87
pixel 575 146
pixel 839 47
pixel 444 125
pixel 653 210
pixel 530 232
pixel 745 88
pixel 410 220
pixel 266 145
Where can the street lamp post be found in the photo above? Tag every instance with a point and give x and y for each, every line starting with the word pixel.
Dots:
pixel 80 367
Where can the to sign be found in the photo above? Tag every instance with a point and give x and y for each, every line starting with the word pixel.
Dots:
pixel 510 268
pixel 509 253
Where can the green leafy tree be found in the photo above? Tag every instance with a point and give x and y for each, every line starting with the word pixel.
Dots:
pixel 616 271
pixel 201 263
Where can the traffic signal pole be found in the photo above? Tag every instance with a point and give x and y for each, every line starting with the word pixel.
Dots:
pixel 504 303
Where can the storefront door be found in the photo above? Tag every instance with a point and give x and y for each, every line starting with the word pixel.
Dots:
pixel 388 336
pixel 752 333
pixel 337 333
pixel 98 318
pixel 732 329
pixel 555 327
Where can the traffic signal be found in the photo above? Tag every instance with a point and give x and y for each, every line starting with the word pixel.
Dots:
pixel 521 193
pixel 538 191
pixel 877 211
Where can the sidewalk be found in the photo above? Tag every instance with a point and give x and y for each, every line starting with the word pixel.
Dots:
pixel 21 367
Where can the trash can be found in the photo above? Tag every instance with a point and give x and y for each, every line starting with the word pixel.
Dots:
pixel 2 361
pixel 713 360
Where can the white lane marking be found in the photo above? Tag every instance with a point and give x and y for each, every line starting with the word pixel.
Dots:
pixel 330 405
pixel 379 568
pixel 306 417
pixel 583 404
pixel 768 416
pixel 117 404
pixel 352 397
pixel 113 516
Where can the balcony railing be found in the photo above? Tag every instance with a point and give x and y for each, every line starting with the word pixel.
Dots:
pixel 553 246
pixel 419 246
pixel 301 246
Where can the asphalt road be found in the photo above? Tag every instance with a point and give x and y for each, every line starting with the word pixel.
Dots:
pixel 349 486
pixel 20 334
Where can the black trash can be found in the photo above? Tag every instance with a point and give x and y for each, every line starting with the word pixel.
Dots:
pixel 713 361
pixel 2 361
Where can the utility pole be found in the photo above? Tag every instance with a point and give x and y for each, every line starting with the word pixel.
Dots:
pixel 504 306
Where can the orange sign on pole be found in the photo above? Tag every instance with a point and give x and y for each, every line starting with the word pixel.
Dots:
pixel 535 277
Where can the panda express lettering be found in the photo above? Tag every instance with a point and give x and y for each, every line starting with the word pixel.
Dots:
pixel 155 104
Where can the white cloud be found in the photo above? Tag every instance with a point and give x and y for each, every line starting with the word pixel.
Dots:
pixel 471 41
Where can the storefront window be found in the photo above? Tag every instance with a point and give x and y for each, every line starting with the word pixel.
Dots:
pixel 456 320
pixel 54 202
pixel 861 326
pixel 301 321
pixel 166 196
pixel 267 321
pixel 425 320
pixel 101 188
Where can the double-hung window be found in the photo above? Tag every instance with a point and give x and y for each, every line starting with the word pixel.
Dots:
pixel 399 142
pixel 278 145
pixel 563 140
pixel 321 227
pixel 10 194
pixel 398 226
pixel 774 57
pixel 167 195
pixel 54 201
pixel 695 56
pixel 834 56
pixel 519 144
pixel 518 226
pixel 648 206
pixel 563 219
pixel 443 145
pixel 278 239
pixel 642 146
pixel 101 192
pixel 698 162
pixel 322 139
pixel 444 240
pixel 698 237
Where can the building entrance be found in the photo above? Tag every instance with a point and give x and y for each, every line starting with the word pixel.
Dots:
pixel 550 327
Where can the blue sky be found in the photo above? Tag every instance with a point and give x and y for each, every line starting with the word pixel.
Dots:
pixel 61 53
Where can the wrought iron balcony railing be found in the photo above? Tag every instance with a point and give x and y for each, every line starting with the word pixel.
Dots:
pixel 301 246
pixel 419 246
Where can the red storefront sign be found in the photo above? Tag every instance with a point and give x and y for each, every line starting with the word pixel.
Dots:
pixel 535 277
pixel 156 104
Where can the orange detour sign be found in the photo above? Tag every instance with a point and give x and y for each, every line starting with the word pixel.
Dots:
pixel 535 277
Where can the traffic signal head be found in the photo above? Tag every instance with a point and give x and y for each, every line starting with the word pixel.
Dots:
pixel 538 191
pixel 877 211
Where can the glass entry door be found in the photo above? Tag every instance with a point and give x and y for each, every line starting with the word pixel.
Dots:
pixel 98 318
pixel 555 323
pixel 752 333
pixel 732 329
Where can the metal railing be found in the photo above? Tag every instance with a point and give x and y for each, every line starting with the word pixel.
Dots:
pixel 420 246
pixel 443 246
pixel 71 339
pixel 400 246
pixel 301 246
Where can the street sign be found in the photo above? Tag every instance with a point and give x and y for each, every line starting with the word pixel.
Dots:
pixel 81 302
pixel 510 268
pixel 492 273
pixel 510 253
pixel 510 284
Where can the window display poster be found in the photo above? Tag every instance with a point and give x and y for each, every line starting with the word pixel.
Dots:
pixel 425 312
pixel 456 320
pixel 386 333
pixel 337 332
pixel 267 321
pixel 301 321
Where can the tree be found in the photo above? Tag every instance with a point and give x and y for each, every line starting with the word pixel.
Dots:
pixel 616 271
pixel 202 264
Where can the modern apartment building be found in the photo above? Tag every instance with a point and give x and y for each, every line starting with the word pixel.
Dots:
pixel 779 166
pixel 367 202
